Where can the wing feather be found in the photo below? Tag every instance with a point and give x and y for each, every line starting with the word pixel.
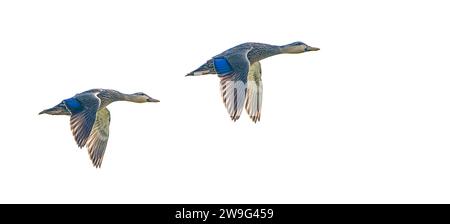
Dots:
pixel 254 92
pixel 98 139
pixel 81 123
pixel 233 84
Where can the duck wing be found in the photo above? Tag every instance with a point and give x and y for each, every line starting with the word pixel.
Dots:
pixel 83 118
pixel 254 92
pixel 98 139
pixel 233 70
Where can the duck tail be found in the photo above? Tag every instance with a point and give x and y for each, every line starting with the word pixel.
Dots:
pixel 205 69
pixel 59 109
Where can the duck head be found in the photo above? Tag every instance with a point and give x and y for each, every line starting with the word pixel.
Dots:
pixel 296 48
pixel 141 97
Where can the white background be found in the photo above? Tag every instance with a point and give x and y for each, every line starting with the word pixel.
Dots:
pixel 364 120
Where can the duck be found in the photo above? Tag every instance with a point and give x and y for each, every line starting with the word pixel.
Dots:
pixel 239 70
pixel 90 119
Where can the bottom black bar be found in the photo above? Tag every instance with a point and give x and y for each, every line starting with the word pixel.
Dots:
pixel 225 213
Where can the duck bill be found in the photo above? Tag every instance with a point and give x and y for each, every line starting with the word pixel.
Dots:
pixel 313 49
pixel 153 100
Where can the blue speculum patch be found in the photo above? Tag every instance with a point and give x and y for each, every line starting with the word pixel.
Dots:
pixel 73 105
pixel 222 66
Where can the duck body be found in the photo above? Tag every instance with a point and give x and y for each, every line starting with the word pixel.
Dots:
pixel 255 51
pixel 83 101
pixel 89 117
pixel 220 64
pixel 240 72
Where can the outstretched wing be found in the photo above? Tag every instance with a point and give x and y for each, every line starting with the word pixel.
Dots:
pixel 98 139
pixel 254 92
pixel 82 121
pixel 233 83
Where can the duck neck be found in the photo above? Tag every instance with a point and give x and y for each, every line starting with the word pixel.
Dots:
pixel 289 49
pixel 114 95
pixel 275 50
pixel 262 51
pixel 129 98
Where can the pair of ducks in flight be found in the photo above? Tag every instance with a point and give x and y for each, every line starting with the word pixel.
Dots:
pixel 239 71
